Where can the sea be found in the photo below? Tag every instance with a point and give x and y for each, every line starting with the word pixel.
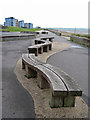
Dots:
pixel 74 30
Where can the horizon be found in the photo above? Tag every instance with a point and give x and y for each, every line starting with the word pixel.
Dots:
pixel 67 28
pixel 48 14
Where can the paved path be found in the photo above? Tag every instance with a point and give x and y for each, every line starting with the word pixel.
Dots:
pixel 16 101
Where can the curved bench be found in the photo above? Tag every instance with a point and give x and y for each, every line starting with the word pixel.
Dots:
pixel 38 41
pixel 47 38
pixel 44 32
pixel 44 46
pixel 63 88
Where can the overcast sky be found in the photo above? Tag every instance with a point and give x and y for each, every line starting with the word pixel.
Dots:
pixel 47 13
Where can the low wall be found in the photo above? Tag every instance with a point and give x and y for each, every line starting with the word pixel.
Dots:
pixel 80 40
pixel 59 33
pixel 16 37
pixel 29 32
pixel 55 31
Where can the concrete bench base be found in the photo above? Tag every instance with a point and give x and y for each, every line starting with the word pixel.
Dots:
pixel 55 101
pixel 42 82
pixel 30 72
pixel 60 101
pixel 69 101
pixel 33 50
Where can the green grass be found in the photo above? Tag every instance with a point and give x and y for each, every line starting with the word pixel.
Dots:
pixel 18 29
pixel 83 44
pixel 80 35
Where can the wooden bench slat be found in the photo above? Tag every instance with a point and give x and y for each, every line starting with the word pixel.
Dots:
pixel 28 61
pixel 72 86
pixel 35 46
pixel 54 81
pixel 39 45
pixel 32 57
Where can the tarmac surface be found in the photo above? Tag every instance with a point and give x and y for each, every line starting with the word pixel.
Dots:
pixel 16 101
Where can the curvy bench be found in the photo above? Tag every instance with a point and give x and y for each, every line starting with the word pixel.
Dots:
pixel 62 88
pixel 44 32
pixel 46 38
pixel 38 41
pixel 40 48
pixel 29 65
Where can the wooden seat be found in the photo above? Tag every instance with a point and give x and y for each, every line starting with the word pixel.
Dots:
pixel 36 49
pixel 40 48
pixel 38 41
pixel 34 59
pixel 29 66
pixel 71 85
pixel 63 89
pixel 47 38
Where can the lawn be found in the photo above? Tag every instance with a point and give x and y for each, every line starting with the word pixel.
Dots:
pixel 18 29
pixel 80 35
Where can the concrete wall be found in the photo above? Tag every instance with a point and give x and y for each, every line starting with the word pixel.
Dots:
pixel 17 37
pixel 29 32
pixel 57 32
pixel 80 40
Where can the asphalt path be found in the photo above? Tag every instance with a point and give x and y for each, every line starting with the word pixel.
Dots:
pixel 16 101
pixel 73 61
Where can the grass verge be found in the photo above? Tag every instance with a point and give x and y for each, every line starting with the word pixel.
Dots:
pixel 80 35
pixel 83 44
pixel 18 29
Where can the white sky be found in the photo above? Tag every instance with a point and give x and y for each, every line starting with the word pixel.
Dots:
pixel 47 13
